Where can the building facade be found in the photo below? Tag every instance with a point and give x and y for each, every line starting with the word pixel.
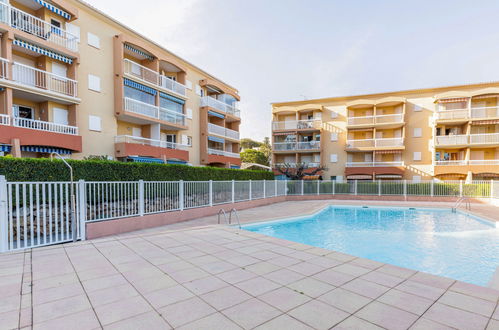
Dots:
pixel 447 133
pixel 77 82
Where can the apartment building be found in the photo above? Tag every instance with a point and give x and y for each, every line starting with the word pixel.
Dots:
pixel 75 81
pixel 447 133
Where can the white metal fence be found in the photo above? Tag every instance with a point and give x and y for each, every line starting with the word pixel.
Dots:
pixel 39 213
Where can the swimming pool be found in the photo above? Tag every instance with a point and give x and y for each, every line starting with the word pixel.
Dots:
pixel 436 241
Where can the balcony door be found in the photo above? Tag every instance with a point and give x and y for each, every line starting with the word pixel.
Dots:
pixel 24 73
pixel 60 116
pixel 21 111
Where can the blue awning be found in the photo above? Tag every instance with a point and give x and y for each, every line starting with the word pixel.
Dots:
pixel 140 87
pixel 42 51
pixel 235 167
pixel 138 51
pixel 171 98
pixel 4 148
pixel 216 114
pixel 146 160
pixel 53 9
pixel 177 162
pixel 46 149
pixel 216 139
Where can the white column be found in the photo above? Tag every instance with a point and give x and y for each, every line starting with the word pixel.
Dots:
pixel 181 195
pixel 4 236
pixel 379 187
pixel 155 132
pixel 233 191
pixel 302 190
pixel 250 192
pixel 211 192
pixel 264 190
pixel 318 187
pixel 141 197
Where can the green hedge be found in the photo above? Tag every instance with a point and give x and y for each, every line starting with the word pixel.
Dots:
pixel 36 169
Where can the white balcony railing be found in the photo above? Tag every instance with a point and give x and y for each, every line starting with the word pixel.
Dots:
pixel 473 139
pixel 33 77
pixel 380 119
pixel 483 162
pixel 30 24
pixel 147 75
pixel 485 112
pixel 148 142
pixel 376 143
pixel 222 131
pixel 467 113
pixel 4 120
pixel 296 124
pixel 223 153
pixel 208 101
pixel 153 111
pixel 453 114
pixel 490 138
pixel 311 145
pixel 467 162
pixel 450 162
pixel 295 165
pixel 4 68
pixel 45 126
pixel 451 140
pixel 374 164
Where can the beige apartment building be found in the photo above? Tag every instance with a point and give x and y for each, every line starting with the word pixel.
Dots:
pixel 447 133
pixel 75 81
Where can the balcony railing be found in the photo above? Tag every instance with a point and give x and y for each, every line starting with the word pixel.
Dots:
pixel 222 131
pixel 295 165
pixel 376 143
pixel 467 113
pixel 380 119
pixel 472 139
pixel 45 126
pixel 25 22
pixel 4 120
pixel 453 114
pixel 467 162
pixel 282 146
pixel 148 142
pixel 153 111
pixel 223 153
pixel 450 162
pixel 296 124
pixel 483 162
pixel 207 101
pixel 145 74
pixel 485 112
pixel 374 164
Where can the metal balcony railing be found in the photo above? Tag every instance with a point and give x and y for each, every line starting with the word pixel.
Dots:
pixel 4 120
pixel 148 142
pixel 311 145
pixel 223 153
pixel 208 101
pixel 296 124
pixel 379 119
pixel 295 165
pixel 222 131
pixel 153 111
pixel 33 77
pixel 376 143
pixel 374 164
pixel 472 139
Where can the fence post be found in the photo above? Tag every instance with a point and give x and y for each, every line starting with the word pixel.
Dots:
pixel 492 188
pixel 4 236
pixel 285 187
pixel 275 187
pixel 379 187
pixel 355 187
pixel 264 190
pixel 460 188
pixel 141 197
pixel 250 190
pixel 82 207
pixel 302 184
pixel 181 195
pixel 211 192
pixel 233 191
pixel 318 187
pixel 405 188
pixel 334 187
pixel 432 188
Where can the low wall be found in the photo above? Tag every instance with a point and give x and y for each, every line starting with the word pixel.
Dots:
pixel 124 225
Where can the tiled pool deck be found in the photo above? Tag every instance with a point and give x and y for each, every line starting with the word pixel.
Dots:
pixel 197 275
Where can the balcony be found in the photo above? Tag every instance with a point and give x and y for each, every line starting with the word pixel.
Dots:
pixel 154 111
pixel 41 80
pixel 126 145
pixel 452 115
pixel 461 166
pixel 312 124
pixel 374 164
pixel 147 75
pixel 32 25
pixel 485 112
pixel 297 146
pixel 222 131
pixel 224 153
pixel 44 126
pixel 450 162
pixel 376 143
pixel 397 118
pixel 4 120
pixel 207 101
pixel 463 140
pixel 467 114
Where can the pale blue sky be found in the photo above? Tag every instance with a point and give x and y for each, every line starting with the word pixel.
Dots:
pixel 281 50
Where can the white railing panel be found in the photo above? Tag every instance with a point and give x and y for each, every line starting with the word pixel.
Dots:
pixel 222 131
pixel 297 124
pixel 490 138
pixel 392 118
pixel 45 126
pixel 257 188
pixel 393 142
pixel 141 108
pixel 172 85
pixel 364 120
pixel 33 77
pixel 172 116
pixel 140 72
pixel 485 112
pixel 4 120
pixel 148 142
pixel 196 194
pixel 207 101
pixel 361 143
pixel 222 192
pixel 453 114
pixel 223 153
pixel 451 140
pixel 450 162
pixel 374 164
pixel 111 200
pixel 161 196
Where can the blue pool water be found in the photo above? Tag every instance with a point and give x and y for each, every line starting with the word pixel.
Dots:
pixel 435 241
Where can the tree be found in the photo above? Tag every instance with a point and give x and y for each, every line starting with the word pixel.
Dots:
pixel 254 156
pixel 249 144
pixel 299 171
pixel 266 148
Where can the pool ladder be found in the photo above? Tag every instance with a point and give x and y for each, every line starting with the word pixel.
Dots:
pixel 460 201
pixel 232 211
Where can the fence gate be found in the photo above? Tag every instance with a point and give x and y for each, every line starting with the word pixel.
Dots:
pixel 35 214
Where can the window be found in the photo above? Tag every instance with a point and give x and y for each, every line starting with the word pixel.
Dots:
pixel 21 111
pixel 198 90
pixel 171 105
pixel 93 40
pixel 333 177
pixel 94 123
pixel 93 83
pixel 334 137
pixel 417 132
pixel 189 141
pixel 417 155
pixel 188 113
pixel 334 158
pixel 59 69
pixel 56 27
pixel 60 116
pixel 139 95
pixel 137 131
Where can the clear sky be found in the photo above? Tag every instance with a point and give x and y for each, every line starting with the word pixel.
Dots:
pixel 284 50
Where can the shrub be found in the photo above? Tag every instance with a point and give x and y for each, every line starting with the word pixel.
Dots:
pixel 37 169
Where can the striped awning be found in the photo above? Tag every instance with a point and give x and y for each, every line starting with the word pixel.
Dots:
pixel 4 148
pixel 454 100
pixel 384 152
pixel 485 122
pixel 138 51
pixel 137 159
pixel 359 177
pixel 53 9
pixel 140 87
pixel 42 51
pixel 388 176
pixel 171 98
pixel 46 149
pixel 216 114
pixel 216 139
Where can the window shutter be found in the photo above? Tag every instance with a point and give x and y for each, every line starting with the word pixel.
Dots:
pixel 94 83
pixel 184 140
pixel 94 123
pixel 188 84
pixel 417 155
pixel 417 132
pixel 198 90
pixel 334 137
pixel 93 40
pixel 74 30
pixel 188 113
pixel 334 158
